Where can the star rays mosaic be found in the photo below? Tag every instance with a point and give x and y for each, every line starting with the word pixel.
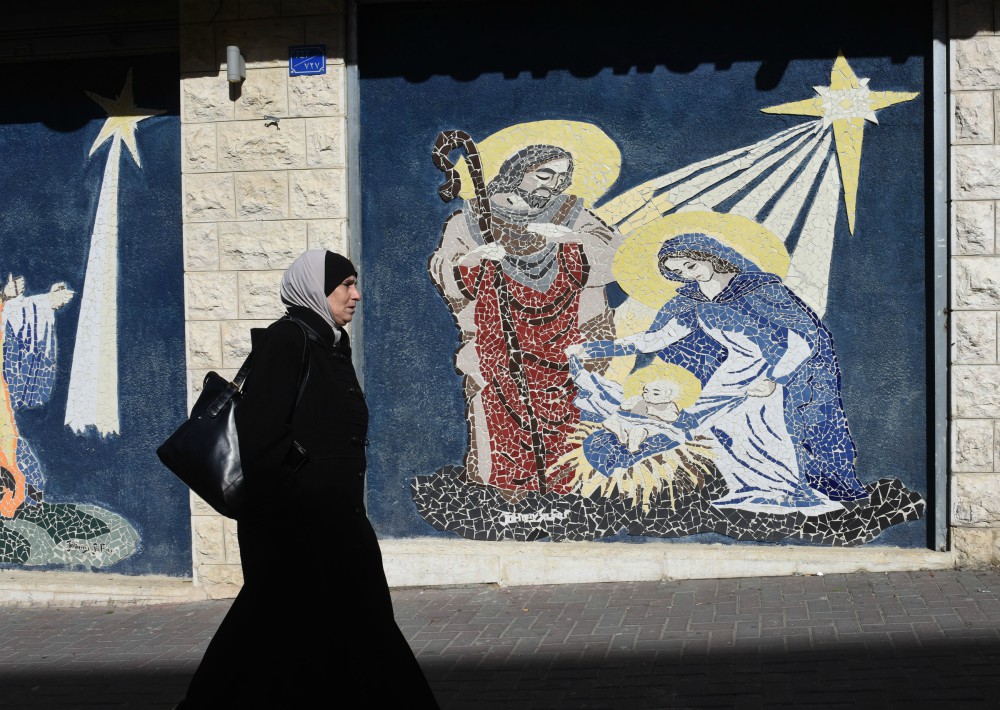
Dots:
pixel 709 398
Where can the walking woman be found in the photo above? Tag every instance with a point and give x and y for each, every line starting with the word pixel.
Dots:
pixel 313 623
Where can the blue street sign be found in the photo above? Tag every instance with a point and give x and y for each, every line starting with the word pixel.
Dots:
pixel 307 60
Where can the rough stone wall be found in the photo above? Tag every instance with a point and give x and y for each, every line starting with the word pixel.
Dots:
pixel 255 193
pixel 974 75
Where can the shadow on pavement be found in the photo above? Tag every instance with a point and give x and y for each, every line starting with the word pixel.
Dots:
pixel 891 673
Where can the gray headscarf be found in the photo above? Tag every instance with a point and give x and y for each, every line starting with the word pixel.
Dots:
pixel 304 285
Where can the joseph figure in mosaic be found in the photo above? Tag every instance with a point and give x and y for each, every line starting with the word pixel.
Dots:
pixel 523 267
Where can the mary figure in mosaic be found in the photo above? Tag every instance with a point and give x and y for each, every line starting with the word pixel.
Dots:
pixel 770 398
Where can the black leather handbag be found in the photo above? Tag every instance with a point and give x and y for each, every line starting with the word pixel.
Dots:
pixel 204 451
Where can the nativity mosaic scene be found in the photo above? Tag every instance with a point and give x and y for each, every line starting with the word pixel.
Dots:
pixel 33 529
pixel 656 364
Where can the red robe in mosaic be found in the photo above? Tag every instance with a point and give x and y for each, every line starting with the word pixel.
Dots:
pixel 528 397
pixel 506 364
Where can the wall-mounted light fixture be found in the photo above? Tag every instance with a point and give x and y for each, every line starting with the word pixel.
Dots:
pixel 236 68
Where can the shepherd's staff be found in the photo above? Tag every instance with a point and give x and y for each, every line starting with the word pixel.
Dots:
pixel 446 142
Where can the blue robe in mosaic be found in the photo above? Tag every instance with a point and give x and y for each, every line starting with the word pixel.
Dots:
pixel 29 367
pixel 791 450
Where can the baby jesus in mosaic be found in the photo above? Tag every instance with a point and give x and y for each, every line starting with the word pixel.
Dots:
pixel 656 403
pixel 648 402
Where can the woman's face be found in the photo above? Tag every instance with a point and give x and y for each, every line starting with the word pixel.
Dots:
pixel 343 301
pixel 691 269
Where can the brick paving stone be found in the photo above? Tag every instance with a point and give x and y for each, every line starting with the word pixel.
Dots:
pixel 874 640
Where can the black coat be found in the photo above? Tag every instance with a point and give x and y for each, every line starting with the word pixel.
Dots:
pixel 330 422
pixel 314 616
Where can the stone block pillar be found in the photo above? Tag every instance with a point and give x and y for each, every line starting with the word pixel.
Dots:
pixel 263 179
pixel 974 75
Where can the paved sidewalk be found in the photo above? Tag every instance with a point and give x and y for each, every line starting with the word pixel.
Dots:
pixel 876 640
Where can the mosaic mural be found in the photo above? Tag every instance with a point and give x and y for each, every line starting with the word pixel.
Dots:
pixel 707 397
pixel 37 528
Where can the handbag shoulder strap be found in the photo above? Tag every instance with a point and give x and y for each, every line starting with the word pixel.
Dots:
pixel 237 383
pixel 244 371
pixel 231 389
pixel 304 369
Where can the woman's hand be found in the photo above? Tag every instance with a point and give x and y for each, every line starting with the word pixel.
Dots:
pixel 576 351
pixel 761 388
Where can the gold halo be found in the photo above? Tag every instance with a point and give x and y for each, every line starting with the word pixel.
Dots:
pixel 636 263
pixel 596 159
pixel 689 386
